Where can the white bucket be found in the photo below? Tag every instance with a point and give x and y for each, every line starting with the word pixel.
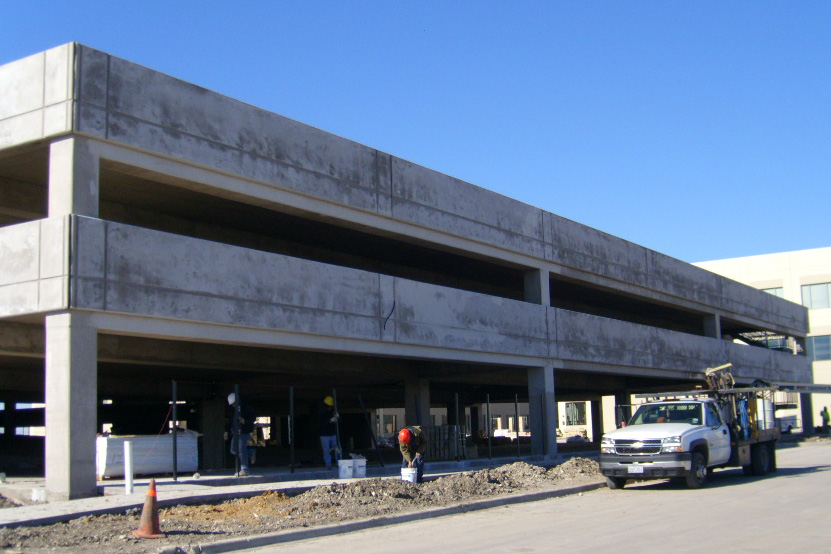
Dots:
pixel 359 467
pixel 345 469
pixel 409 474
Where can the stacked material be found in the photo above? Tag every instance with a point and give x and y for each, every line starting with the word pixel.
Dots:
pixel 151 454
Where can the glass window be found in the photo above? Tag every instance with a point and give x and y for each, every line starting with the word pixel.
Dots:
pixel 778 291
pixel 712 417
pixel 819 348
pixel 575 413
pixel 816 296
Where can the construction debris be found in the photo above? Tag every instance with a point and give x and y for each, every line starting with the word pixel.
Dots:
pixel 189 526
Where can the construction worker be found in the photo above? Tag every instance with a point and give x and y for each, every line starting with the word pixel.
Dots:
pixel 240 433
pixel 328 431
pixel 825 419
pixel 412 441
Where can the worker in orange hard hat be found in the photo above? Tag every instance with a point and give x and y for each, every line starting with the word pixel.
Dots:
pixel 328 431
pixel 412 441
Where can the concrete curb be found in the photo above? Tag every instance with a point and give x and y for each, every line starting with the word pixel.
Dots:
pixel 269 539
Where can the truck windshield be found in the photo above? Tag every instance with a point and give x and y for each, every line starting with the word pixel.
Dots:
pixel 668 412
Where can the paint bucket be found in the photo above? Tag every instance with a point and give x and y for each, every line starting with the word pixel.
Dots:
pixel 345 469
pixel 409 474
pixel 359 467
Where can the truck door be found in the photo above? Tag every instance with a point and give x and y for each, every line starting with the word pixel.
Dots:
pixel 718 437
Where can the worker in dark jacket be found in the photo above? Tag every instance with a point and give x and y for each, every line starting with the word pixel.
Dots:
pixel 412 441
pixel 240 427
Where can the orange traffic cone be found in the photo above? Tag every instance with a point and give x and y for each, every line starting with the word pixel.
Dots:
pixel 149 523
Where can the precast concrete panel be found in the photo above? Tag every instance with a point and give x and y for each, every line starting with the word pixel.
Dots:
pixel 437 201
pixel 588 338
pixel 769 365
pixel 20 253
pixel 160 113
pixel 682 280
pixel 88 264
pixel 36 96
pixel 442 317
pixel 158 274
pixel 747 301
pixel 683 352
pixel 33 269
pixel 586 249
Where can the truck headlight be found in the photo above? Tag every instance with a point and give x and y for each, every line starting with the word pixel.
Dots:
pixel 607 445
pixel 671 444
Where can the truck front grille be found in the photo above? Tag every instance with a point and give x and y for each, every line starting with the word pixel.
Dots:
pixel 634 448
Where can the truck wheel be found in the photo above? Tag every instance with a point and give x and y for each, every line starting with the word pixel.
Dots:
pixel 760 459
pixel 698 471
pixel 772 457
pixel 615 483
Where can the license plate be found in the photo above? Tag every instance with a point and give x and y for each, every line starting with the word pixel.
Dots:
pixel 635 469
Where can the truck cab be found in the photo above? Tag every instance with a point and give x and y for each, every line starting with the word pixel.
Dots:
pixel 667 439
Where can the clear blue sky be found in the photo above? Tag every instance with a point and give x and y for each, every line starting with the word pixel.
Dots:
pixel 699 129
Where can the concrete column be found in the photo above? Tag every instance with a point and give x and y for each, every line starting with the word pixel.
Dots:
pixel 474 421
pixel 71 406
pixel 213 428
pixel 417 402
pixel 799 345
pixel 73 178
pixel 596 419
pixel 712 326
pixel 806 405
pixel 537 287
pixel 623 406
pixel 542 411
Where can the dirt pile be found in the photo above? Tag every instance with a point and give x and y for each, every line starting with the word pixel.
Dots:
pixel 188 526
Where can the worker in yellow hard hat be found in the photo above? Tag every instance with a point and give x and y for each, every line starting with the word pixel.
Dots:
pixel 412 441
pixel 328 431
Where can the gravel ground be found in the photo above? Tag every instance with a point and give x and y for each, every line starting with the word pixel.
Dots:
pixel 189 526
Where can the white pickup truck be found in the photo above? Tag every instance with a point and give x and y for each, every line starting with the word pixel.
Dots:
pixel 685 438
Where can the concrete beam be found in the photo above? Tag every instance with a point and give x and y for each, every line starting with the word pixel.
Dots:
pixel 21 339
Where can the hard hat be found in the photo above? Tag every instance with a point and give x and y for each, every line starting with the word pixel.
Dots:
pixel 329 401
pixel 405 436
pixel 232 398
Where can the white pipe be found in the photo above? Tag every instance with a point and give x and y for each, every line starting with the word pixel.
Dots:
pixel 128 467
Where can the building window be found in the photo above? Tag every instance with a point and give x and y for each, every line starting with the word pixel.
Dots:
pixel 496 423
pixel 778 292
pixel 575 413
pixel 819 348
pixel 30 431
pixel 389 424
pixel 816 297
